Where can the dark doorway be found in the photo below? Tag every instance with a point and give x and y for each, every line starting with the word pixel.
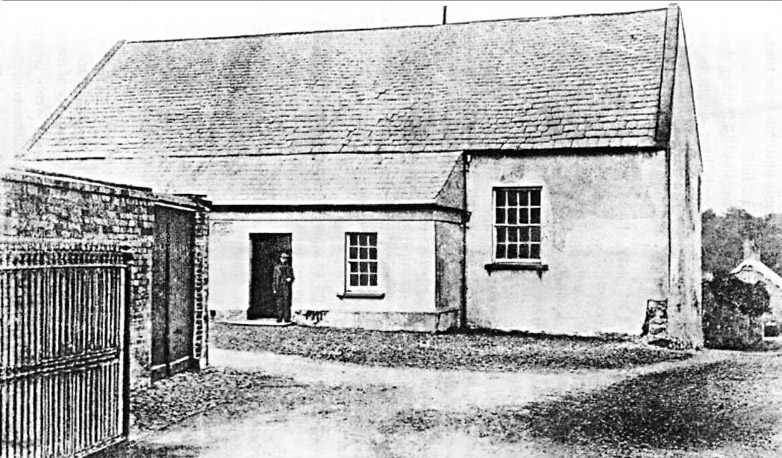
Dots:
pixel 266 249
pixel 172 292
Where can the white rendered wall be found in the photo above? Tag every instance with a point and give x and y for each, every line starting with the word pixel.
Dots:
pixel 405 251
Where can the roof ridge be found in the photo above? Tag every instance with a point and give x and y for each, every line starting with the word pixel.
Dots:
pixel 71 97
pixel 668 75
pixel 395 27
pixel 235 155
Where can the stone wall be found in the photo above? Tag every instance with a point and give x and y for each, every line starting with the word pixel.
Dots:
pixel 42 206
pixel 201 261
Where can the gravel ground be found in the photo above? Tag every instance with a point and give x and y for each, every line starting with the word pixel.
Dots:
pixel 475 350
pixel 197 402
pixel 729 408
pixel 171 400
pixel 718 405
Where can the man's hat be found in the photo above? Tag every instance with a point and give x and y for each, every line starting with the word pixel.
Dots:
pixel 285 255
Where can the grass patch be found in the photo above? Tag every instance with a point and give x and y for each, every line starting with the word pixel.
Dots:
pixel 473 350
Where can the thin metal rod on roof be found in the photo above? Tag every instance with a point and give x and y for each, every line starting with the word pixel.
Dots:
pixel 445 10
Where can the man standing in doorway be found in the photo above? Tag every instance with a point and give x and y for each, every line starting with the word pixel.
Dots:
pixel 281 287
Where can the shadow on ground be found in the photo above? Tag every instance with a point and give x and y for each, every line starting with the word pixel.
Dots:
pixel 726 403
pixel 142 450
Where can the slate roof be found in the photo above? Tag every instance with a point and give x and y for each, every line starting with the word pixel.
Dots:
pixel 578 81
pixel 383 178
pixel 754 264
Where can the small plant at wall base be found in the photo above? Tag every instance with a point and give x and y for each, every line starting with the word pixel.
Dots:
pixel 315 316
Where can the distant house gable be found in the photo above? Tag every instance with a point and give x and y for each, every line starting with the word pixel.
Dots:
pixel 753 265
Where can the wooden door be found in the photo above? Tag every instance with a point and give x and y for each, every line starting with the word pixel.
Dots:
pixel 173 298
pixel 266 250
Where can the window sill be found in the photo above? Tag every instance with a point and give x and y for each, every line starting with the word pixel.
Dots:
pixel 536 266
pixel 357 295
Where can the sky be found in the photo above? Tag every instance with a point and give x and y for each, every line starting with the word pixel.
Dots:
pixel 735 50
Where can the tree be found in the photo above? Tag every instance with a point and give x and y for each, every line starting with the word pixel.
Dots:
pixel 724 236
pixel 750 300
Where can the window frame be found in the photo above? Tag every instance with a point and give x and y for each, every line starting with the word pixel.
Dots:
pixel 538 261
pixel 359 289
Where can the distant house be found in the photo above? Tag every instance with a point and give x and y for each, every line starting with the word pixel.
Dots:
pixel 533 174
pixel 752 270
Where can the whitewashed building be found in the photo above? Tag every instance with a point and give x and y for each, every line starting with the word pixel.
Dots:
pixel 537 174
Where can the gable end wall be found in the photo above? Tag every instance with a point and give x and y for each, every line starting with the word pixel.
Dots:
pixel 604 242
pixel 685 299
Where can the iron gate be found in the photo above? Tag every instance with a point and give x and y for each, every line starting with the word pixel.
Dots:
pixel 64 380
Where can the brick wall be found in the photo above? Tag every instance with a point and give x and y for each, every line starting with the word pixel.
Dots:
pixel 37 205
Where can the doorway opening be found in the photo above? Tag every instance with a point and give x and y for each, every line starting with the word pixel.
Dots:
pixel 266 250
pixel 173 297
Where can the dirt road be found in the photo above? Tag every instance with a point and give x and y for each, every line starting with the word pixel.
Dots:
pixel 345 410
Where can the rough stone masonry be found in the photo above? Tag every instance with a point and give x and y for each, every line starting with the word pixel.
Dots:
pixel 36 205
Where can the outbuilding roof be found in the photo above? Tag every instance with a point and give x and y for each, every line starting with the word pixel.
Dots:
pixel 564 82
pixel 317 179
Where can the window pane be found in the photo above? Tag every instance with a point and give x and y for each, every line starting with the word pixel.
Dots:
pixel 517 222
pixel 534 251
pixel 524 234
pixel 362 259
pixel 535 233
pixel 500 251
pixel 535 196
pixel 500 198
pixel 513 251
pixel 524 251
pixel 535 216
pixel 499 217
